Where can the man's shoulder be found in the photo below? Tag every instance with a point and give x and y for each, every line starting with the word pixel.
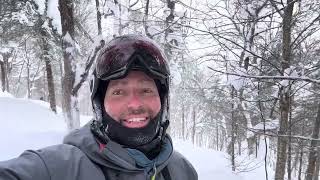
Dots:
pixel 66 160
pixel 178 158
pixel 179 166
pixel 60 154
pixel 58 162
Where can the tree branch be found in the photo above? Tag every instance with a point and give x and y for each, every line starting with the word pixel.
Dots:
pixel 89 63
pixel 316 81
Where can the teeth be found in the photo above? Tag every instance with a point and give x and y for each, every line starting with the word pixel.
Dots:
pixel 136 119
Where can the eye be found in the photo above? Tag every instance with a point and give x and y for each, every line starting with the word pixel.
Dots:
pixel 117 92
pixel 148 91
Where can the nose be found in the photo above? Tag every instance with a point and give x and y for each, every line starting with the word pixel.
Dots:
pixel 135 101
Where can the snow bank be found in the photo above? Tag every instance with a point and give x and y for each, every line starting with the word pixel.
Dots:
pixel 209 164
pixel 26 125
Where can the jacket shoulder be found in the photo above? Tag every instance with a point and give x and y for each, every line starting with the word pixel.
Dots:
pixel 68 162
pixel 59 162
pixel 180 168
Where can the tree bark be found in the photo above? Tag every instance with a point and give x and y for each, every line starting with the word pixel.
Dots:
pixel 98 17
pixel 145 20
pixel 193 136
pixel 289 141
pixel 169 29
pixel 3 76
pixel 316 173
pixel 50 79
pixel 284 93
pixel 301 154
pixel 183 122
pixel 4 65
pixel 69 105
pixel 28 72
pixel 313 155
pixel 300 163
pixel 47 61
pixel 233 124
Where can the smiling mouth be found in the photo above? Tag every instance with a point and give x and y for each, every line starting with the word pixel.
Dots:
pixel 135 122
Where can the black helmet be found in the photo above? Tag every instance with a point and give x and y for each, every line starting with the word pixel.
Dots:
pixel 116 59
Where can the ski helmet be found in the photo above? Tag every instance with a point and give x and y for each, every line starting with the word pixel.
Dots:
pixel 115 60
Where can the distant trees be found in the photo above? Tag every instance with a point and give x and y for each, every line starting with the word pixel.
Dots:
pixel 244 73
pixel 253 43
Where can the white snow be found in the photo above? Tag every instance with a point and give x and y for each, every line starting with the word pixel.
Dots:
pixel 269 125
pixel 5 50
pixel 53 12
pixel 175 74
pixel 41 5
pixel 236 81
pixel 29 124
pixel 67 37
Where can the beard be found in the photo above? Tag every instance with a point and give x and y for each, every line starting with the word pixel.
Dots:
pixel 132 137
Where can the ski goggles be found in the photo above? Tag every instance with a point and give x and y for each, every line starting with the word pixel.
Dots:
pixel 125 54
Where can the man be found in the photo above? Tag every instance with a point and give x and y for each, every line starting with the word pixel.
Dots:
pixel 127 139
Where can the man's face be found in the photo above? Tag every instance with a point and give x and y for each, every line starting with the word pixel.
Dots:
pixel 132 101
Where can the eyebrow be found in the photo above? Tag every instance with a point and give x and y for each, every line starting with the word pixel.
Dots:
pixel 120 82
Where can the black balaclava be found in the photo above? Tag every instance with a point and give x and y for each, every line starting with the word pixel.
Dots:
pixel 144 139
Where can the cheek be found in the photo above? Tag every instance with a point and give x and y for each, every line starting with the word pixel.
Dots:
pixel 113 108
pixel 155 105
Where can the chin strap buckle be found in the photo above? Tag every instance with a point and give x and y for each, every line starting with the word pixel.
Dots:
pixel 163 128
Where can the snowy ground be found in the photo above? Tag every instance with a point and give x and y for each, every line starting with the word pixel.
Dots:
pixel 29 124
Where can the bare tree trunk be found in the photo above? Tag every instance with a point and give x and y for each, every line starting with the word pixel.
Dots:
pixel 217 135
pixel 193 135
pixel 316 173
pixel 300 163
pixel 47 61
pixel 69 105
pixel 45 86
pixel 233 138
pixel 145 20
pixel 301 154
pixel 296 158
pixel 289 142
pixel 313 147
pixel 98 17
pixel 169 29
pixel 284 93
pixel 50 80
pixel 28 73
pixel 8 70
pixel 183 122
pixel 4 65
pixel 3 76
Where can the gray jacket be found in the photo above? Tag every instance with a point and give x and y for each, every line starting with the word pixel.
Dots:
pixel 81 158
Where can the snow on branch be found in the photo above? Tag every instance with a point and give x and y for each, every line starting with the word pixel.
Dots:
pixel 89 63
pixel 285 136
pixel 295 78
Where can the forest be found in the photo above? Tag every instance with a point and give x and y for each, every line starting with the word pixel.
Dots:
pixel 245 74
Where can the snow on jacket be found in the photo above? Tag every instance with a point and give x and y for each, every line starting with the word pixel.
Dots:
pixel 80 158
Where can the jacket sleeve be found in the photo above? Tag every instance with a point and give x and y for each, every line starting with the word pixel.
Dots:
pixel 28 166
